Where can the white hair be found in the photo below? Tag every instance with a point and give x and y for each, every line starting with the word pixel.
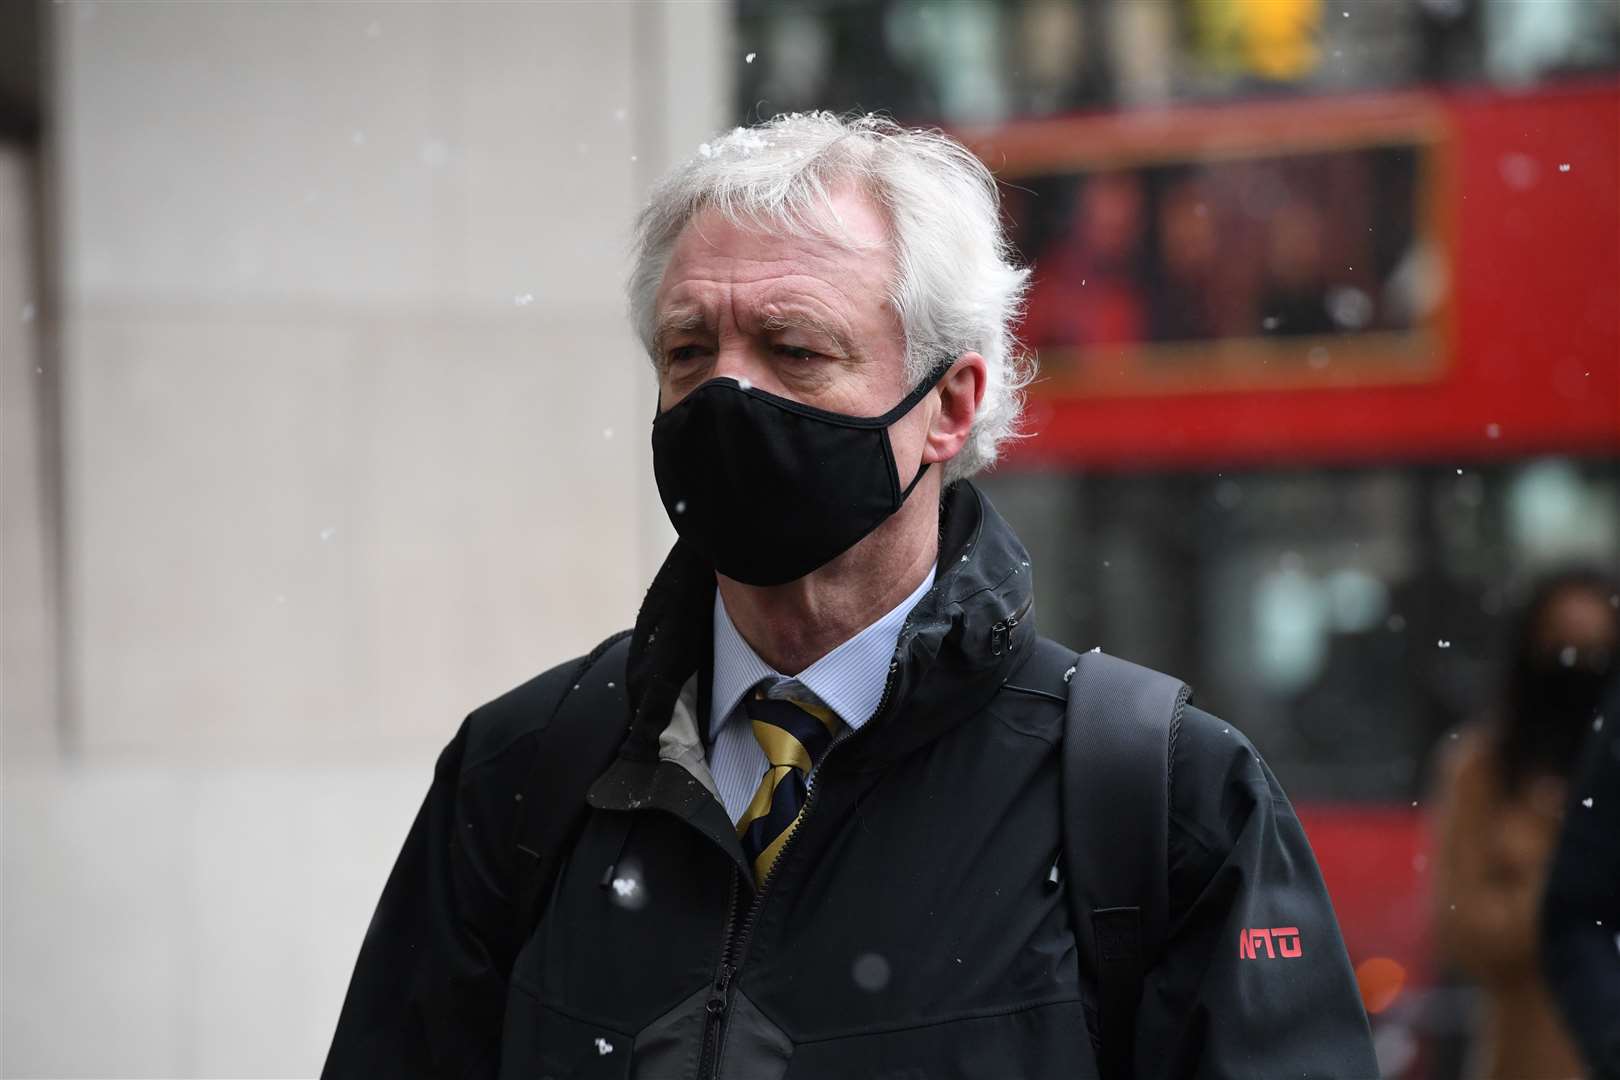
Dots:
pixel 956 289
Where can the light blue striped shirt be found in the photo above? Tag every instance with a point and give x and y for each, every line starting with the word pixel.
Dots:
pixel 849 681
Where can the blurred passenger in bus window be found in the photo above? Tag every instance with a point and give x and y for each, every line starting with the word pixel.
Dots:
pixel 1087 287
pixel 1190 261
pixel 1296 283
pixel 1500 798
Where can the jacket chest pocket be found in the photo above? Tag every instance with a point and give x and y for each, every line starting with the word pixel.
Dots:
pixel 540 1043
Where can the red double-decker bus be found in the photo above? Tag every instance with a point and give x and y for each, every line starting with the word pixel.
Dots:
pixel 1323 383
pixel 1326 302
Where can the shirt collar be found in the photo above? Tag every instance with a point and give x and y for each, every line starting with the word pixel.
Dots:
pixel 849 680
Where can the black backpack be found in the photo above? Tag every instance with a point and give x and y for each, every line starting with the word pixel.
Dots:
pixel 1119 737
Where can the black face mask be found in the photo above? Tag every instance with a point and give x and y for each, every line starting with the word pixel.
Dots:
pixel 769 489
pixel 1560 702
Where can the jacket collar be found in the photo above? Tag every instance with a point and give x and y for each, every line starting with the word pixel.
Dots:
pixel 957 647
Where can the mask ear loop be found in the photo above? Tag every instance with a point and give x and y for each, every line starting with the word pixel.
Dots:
pixel 909 402
pixel 929 382
pixel 906 494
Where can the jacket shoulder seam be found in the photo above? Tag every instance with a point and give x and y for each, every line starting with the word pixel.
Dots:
pixel 1055 739
pixel 545 706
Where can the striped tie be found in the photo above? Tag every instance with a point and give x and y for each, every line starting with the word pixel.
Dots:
pixel 794 735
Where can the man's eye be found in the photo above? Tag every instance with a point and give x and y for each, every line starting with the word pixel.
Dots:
pixel 796 352
pixel 681 353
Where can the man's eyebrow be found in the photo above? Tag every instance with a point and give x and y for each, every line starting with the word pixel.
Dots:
pixel 676 322
pixel 778 321
pixel 681 322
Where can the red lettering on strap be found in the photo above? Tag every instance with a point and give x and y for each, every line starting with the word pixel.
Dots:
pixel 1285 938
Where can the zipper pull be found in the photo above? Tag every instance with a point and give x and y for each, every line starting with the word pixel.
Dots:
pixel 717 1000
pixel 995 638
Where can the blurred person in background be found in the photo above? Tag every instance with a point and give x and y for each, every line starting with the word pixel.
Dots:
pixel 1294 292
pixel 821 840
pixel 1185 302
pixel 1087 287
pixel 1500 797
pixel 1580 917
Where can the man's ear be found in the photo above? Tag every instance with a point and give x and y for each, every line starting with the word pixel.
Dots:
pixel 961 392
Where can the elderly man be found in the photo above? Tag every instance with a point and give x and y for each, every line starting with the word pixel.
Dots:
pixel 802 822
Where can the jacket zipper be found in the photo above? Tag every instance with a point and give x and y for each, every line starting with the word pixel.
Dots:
pixel 737 935
pixel 719 993
pixel 1004 629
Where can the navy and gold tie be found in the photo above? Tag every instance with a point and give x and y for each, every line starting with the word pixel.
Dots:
pixel 794 735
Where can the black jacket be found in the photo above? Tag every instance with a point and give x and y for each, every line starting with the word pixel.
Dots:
pixel 908 930
pixel 1581 912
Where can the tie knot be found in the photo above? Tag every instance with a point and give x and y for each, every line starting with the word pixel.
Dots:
pixel 794 733
pixel 791 730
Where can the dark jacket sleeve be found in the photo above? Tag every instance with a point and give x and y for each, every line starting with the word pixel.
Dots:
pixel 429 989
pixel 1581 912
pixel 1255 980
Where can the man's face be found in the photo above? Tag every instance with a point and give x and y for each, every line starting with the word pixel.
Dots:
pixel 798 317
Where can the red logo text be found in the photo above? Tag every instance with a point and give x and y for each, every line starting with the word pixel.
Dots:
pixel 1285 939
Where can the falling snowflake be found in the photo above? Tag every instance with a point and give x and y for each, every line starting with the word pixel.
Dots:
pixel 1567 655
pixel 328 532
pixel 1564 167
pixel 1269 322
pixel 1444 644
pixel 680 506
pixel 871 972
pixel 607 433
pixel 625 887
pixel 523 299
pixel 433 153
pixel 603 1047
pixel 744 384
pixel 1587 802
pixel 749 59
pixel 1493 431
pixel 28 312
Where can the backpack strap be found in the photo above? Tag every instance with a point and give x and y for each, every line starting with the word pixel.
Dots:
pixel 586 729
pixel 1117 736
